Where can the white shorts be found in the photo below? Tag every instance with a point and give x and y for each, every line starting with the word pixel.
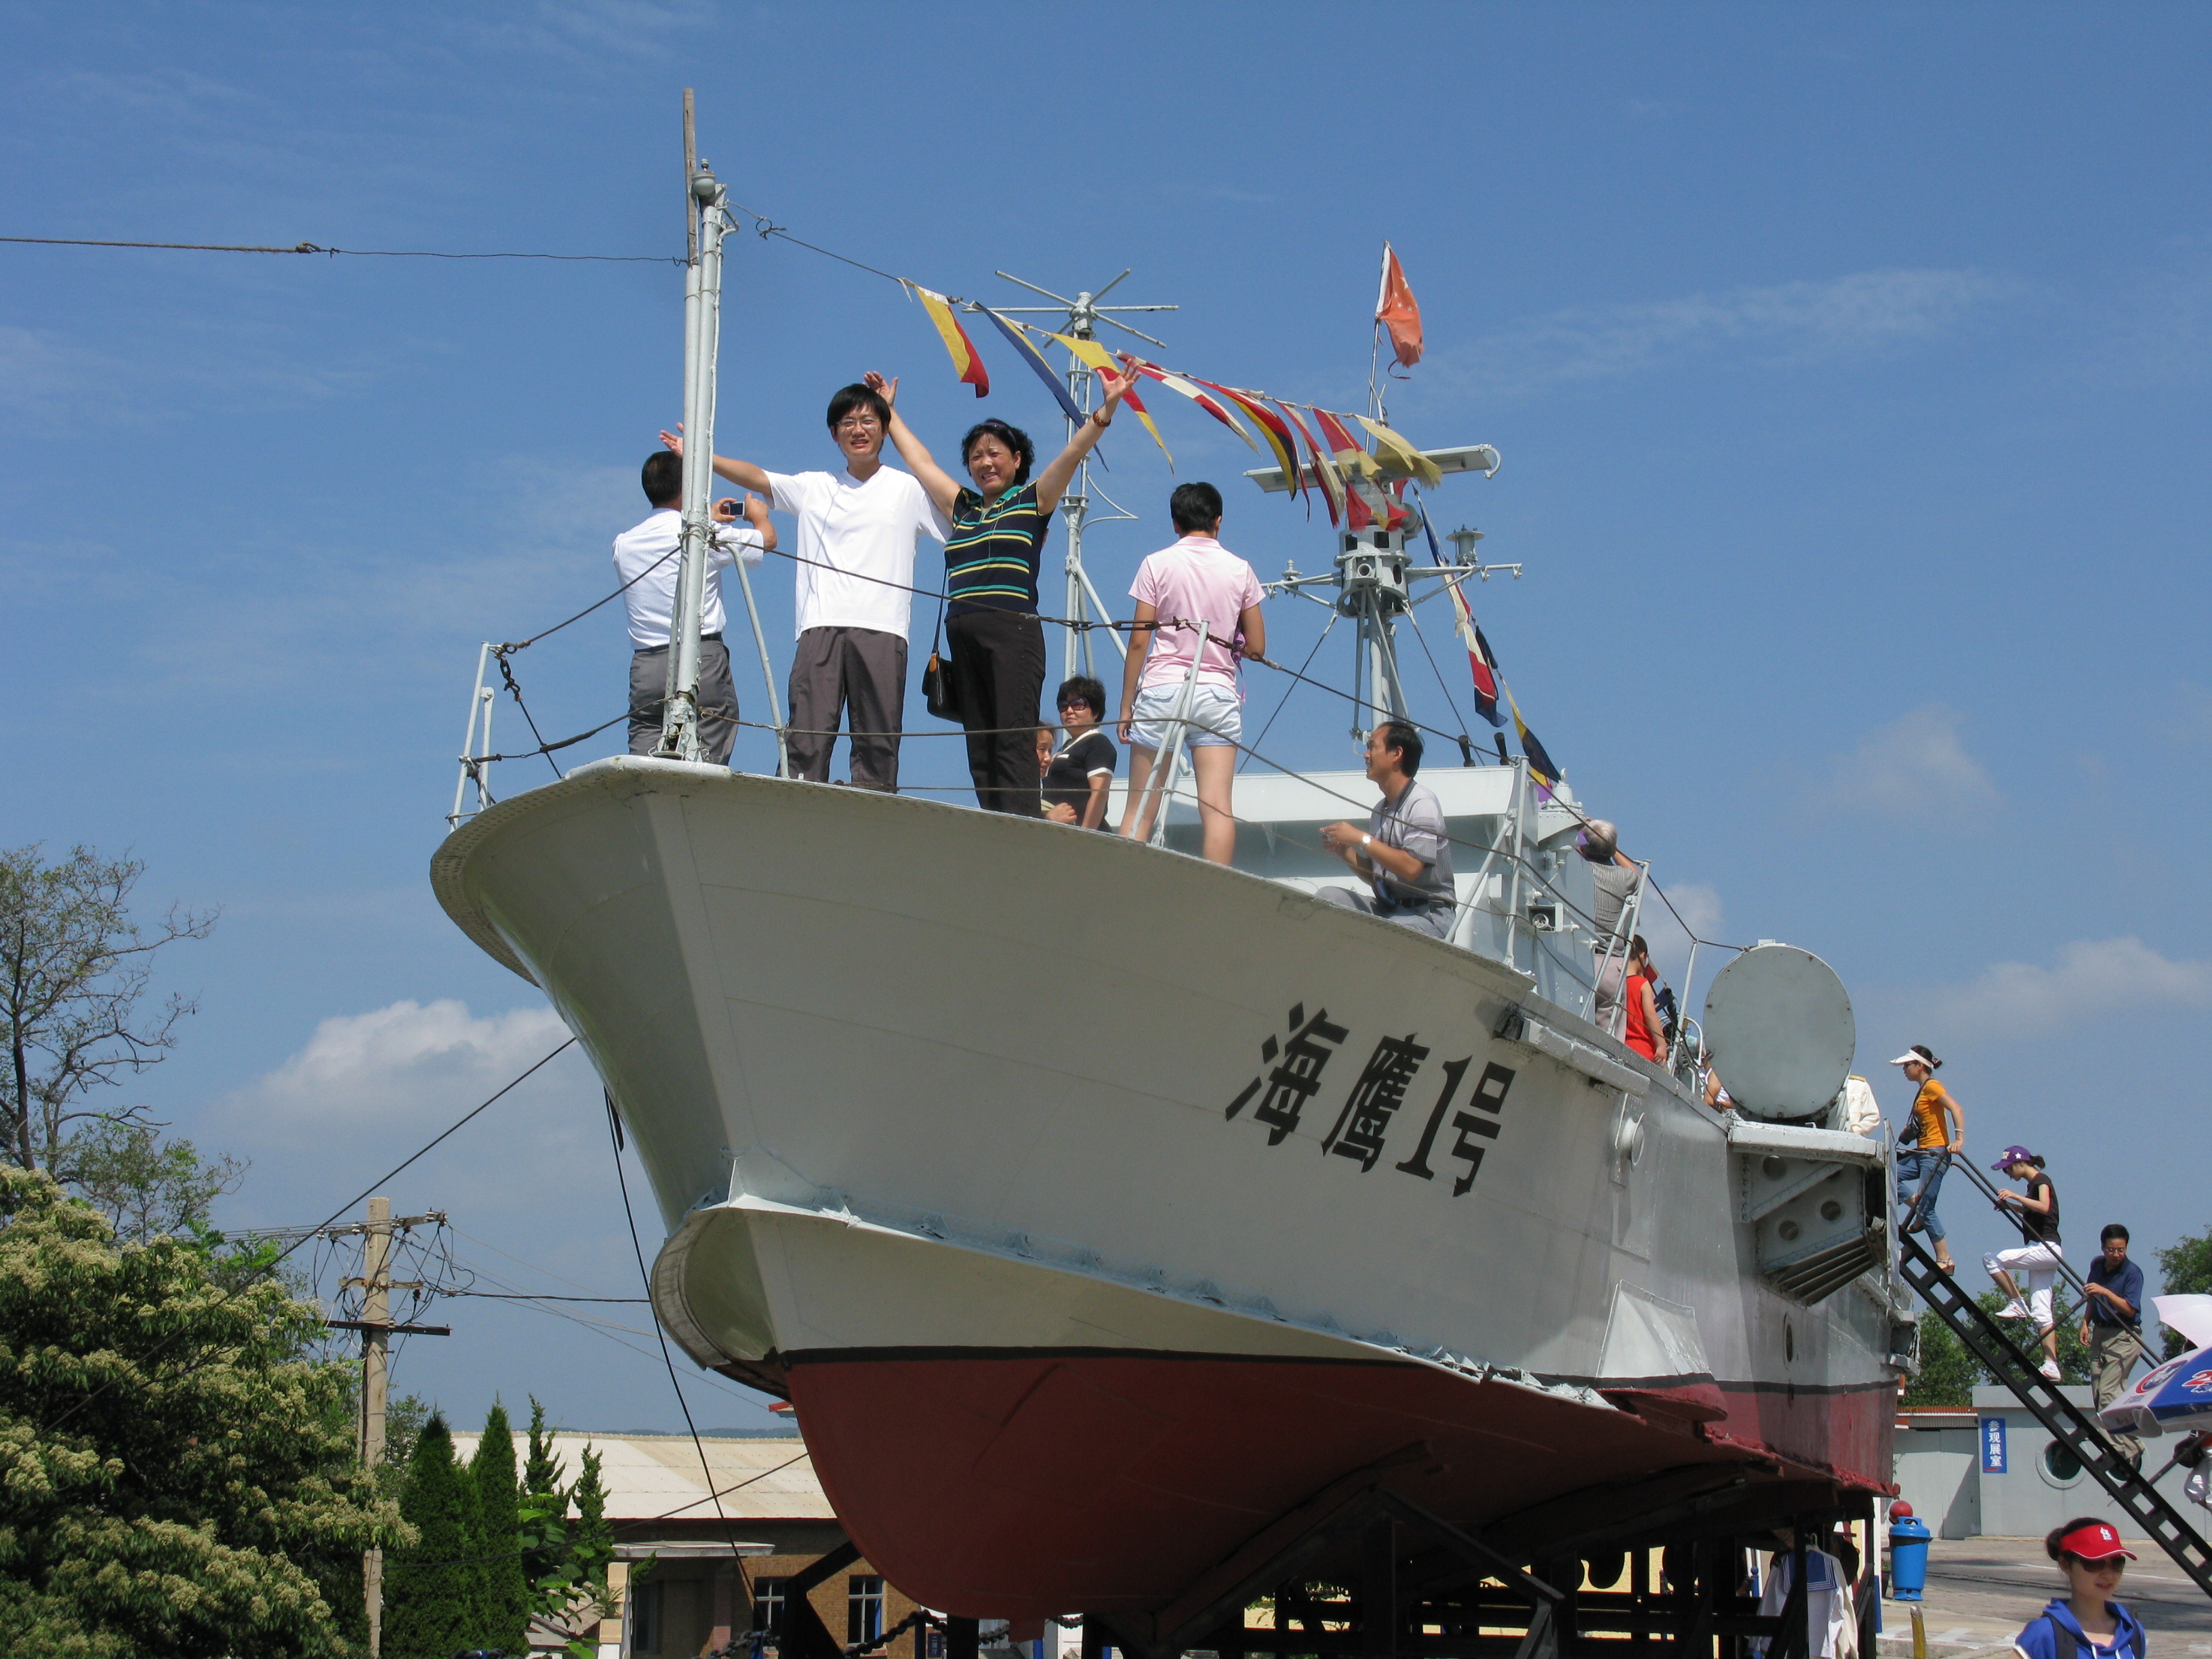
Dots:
pixel 1217 715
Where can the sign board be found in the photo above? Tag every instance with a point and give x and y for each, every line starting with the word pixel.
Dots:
pixel 1993 1445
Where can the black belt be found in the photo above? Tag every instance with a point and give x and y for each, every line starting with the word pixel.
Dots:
pixel 703 638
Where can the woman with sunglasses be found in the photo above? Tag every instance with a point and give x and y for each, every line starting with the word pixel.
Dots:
pixel 992 633
pixel 2086 1623
pixel 1079 773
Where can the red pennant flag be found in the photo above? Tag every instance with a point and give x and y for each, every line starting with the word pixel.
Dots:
pixel 1277 435
pixel 1332 488
pixel 1397 311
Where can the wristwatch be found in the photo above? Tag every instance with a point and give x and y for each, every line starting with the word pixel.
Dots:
pixel 1366 841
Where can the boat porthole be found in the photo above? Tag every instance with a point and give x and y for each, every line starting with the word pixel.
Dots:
pixel 1789 1343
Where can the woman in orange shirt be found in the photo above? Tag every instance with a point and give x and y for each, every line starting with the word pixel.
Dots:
pixel 1644 1031
pixel 1922 1150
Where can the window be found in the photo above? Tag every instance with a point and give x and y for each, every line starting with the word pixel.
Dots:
pixel 647 1604
pixel 864 1607
pixel 767 1605
pixel 2060 1462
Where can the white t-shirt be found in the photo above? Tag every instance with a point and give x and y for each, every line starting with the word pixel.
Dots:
pixel 869 530
pixel 648 552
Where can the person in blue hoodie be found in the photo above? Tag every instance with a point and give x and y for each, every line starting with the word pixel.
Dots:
pixel 2086 1624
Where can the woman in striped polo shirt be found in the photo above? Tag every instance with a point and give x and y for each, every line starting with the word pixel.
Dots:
pixel 993 637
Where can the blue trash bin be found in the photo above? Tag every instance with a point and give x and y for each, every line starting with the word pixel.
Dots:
pixel 1908 1557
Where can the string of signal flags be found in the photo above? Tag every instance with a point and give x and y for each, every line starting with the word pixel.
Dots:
pixel 1334 459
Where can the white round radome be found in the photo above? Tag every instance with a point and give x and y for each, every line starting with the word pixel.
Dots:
pixel 1778 1025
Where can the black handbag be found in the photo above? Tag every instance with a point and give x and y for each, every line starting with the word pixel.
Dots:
pixel 937 678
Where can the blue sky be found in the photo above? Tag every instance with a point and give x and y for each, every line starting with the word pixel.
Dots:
pixel 1850 366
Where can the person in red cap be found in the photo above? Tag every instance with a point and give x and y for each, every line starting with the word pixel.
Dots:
pixel 2086 1624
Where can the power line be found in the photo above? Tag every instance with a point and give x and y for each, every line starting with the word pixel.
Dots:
pixel 272 1265
pixel 353 253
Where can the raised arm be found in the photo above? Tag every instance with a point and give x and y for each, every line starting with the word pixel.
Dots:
pixel 941 487
pixel 743 474
pixel 1052 482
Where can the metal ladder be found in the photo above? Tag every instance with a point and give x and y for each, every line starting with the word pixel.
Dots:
pixel 1986 1340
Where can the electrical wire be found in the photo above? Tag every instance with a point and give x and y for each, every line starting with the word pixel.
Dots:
pixel 346 1208
pixel 357 253
pixel 637 1247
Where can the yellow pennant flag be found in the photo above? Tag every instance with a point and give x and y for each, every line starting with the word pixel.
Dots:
pixel 1408 458
pixel 1097 356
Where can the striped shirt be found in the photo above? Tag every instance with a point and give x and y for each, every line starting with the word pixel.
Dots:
pixel 991 557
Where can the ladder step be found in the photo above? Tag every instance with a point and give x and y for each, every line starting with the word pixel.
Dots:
pixel 2022 1374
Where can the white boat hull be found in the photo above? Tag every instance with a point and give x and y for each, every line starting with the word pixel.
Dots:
pixel 1038 1167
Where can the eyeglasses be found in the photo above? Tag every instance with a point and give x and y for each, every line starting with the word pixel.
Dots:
pixel 858 422
pixel 1076 702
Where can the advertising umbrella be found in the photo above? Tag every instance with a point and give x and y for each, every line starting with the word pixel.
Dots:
pixel 2175 1397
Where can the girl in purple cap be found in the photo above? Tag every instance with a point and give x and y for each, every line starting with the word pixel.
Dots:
pixel 2036 1210
pixel 2087 1623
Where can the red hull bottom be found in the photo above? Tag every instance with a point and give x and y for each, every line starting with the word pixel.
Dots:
pixel 1022 1484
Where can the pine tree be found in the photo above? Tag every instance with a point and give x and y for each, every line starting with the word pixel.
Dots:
pixel 505 1620
pixel 591 1540
pixel 430 1590
pixel 542 1474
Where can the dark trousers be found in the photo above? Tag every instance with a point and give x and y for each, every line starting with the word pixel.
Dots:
pixel 998 675
pixel 717 699
pixel 837 669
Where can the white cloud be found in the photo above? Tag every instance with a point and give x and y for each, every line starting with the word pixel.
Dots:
pixel 1914 767
pixel 403 1065
pixel 1700 907
pixel 1789 322
pixel 2091 977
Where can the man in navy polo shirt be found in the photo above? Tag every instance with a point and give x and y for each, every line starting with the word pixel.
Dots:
pixel 2111 1327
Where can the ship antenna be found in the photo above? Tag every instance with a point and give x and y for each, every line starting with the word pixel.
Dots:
pixel 1084 314
pixel 707 216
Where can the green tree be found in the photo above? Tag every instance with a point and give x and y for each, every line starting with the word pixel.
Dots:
pixel 73 968
pixel 430 1589
pixel 1950 1373
pixel 591 1540
pixel 505 1590
pixel 144 1185
pixel 2186 1268
pixel 541 1472
pixel 176 1477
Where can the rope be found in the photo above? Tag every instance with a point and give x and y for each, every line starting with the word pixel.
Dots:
pixel 515 691
pixel 1327 628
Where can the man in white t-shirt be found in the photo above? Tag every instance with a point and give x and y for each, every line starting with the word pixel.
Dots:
pixel 1196 580
pixel 646 560
pixel 857 530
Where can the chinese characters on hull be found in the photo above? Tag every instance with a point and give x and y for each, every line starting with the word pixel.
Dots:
pixel 1297 1061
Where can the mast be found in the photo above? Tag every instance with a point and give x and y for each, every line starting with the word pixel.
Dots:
pixel 1374 574
pixel 703 308
pixel 1084 314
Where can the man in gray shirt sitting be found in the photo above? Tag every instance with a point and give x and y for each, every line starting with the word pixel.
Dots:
pixel 1404 852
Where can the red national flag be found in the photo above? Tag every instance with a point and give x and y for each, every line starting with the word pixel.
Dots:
pixel 1396 309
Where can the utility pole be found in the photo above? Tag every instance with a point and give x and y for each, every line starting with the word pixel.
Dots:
pixel 1084 314
pixel 376 1329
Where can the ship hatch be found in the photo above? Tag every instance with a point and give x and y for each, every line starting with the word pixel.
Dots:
pixel 1806 1194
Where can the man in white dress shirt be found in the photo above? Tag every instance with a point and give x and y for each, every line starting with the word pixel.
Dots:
pixel 858 528
pixel 645 559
